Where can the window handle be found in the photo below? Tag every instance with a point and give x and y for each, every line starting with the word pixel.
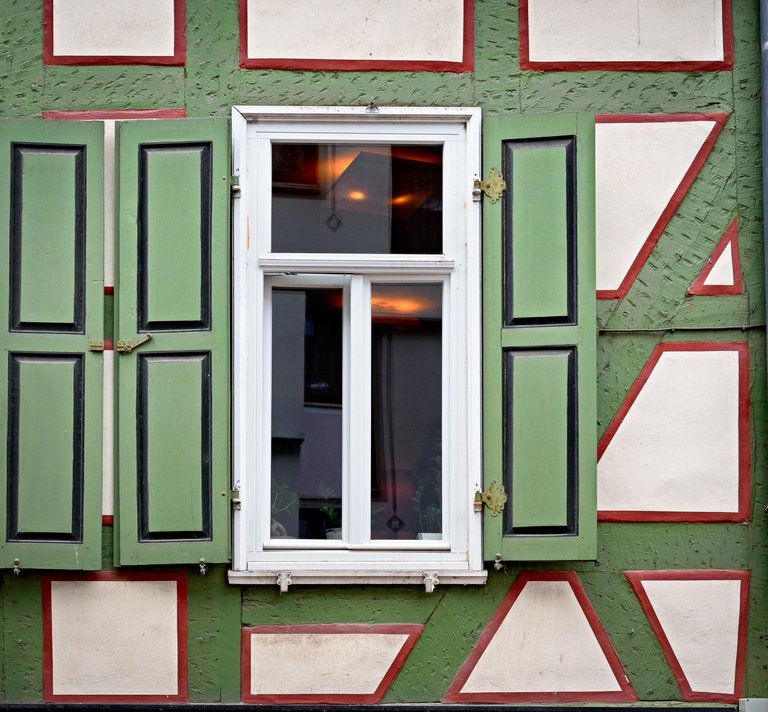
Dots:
pixel 125 346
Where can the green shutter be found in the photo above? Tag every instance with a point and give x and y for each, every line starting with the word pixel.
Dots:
pixel 173 389
pixel 51 243
pixel 539 338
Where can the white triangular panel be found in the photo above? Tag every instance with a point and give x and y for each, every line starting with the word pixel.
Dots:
pixel 640 166
pixel 721 273
pixel 700 619
pixel 295 664
pixel 544 644
pixel 677 447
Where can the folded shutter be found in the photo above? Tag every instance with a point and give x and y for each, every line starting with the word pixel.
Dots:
pixel 539 338
pixel 51 243
pixel 172 325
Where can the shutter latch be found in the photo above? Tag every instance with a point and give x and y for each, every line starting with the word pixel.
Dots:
pixel 493 186
pixel 125 346
pixel 494 497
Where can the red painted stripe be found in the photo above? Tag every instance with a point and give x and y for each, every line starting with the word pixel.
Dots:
pixel 636 579
pixel 107 520
pixel 361 65
pixel 106 114
pixel 181 628
pixel 623 66
pixel 743 425
pixel 677 196
pixel 109 345
pixel 626 693
pixel 176 59
pixel 730 239
pixel 108 290
pixel 413 631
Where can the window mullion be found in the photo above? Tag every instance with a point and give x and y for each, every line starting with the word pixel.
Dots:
pixel 357 503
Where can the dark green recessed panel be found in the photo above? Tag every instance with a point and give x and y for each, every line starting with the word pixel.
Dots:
pixel 174 421
pixel 539 446
pixel 173 389
pixel 174 236
pixel 51 210
pixel 539 231
pixel 45 474
pixel 47 234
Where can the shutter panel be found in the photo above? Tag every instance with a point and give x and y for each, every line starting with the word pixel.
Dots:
pixel 173 389
pixel 539 338
pixel 51 243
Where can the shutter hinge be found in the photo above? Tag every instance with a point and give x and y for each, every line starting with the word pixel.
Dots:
pixel 234 497
pixel 234 186
pixel 494 497
pixel 96 345
pixel 493 186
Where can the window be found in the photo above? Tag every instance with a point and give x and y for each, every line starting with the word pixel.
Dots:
pixel 356 346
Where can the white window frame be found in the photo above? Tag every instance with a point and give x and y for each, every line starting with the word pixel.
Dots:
pixel 255 558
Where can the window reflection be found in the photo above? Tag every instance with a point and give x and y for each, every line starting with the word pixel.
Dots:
pixel 307 375
pixel 357 198
pixel 406 462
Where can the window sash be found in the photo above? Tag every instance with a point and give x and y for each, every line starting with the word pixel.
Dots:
pixel 357 414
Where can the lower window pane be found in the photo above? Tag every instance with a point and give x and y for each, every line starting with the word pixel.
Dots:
pixel 306 487
pixel 406 398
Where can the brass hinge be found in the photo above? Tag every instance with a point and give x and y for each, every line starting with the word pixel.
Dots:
pixel 493 186
pixel 494 497
pixel 234 186
pixel 96 345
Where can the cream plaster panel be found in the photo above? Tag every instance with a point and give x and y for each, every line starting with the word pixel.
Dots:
pixel 701 622
pixel 625 30
pixel 721 273
pixel 113 28
pixel 677 449
pixel 108 435
pixel 544 644
pixel 114 637
pixel 415 30
pixel 638 168
pixel 321 663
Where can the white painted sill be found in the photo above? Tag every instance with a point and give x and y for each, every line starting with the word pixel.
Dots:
pixel 286 576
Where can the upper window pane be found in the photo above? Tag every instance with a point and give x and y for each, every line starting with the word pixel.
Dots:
pixel 357 198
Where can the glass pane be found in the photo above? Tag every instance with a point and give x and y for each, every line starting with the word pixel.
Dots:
pixel 306 413
pixel 407 435
pixel 361 198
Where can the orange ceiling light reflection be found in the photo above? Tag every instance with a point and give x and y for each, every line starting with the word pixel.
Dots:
pixel 402 305
pixel 356 195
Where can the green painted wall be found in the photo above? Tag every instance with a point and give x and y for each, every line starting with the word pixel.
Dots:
pixel 655 309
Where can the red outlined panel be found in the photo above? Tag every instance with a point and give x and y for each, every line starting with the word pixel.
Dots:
pixel 625 694
pixel 114 114
pixel 176 59
pixel 361 65
pixel 729 241
pixel 636 579
pixel 677 196
pixel 181 630
pixel 629 65
pixel 742 348
pixel 413 631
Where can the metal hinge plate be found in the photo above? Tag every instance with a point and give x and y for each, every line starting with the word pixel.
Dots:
pixel 493 186
pixel 494 497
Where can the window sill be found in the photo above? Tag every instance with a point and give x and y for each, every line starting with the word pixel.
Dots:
pixel 287 576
